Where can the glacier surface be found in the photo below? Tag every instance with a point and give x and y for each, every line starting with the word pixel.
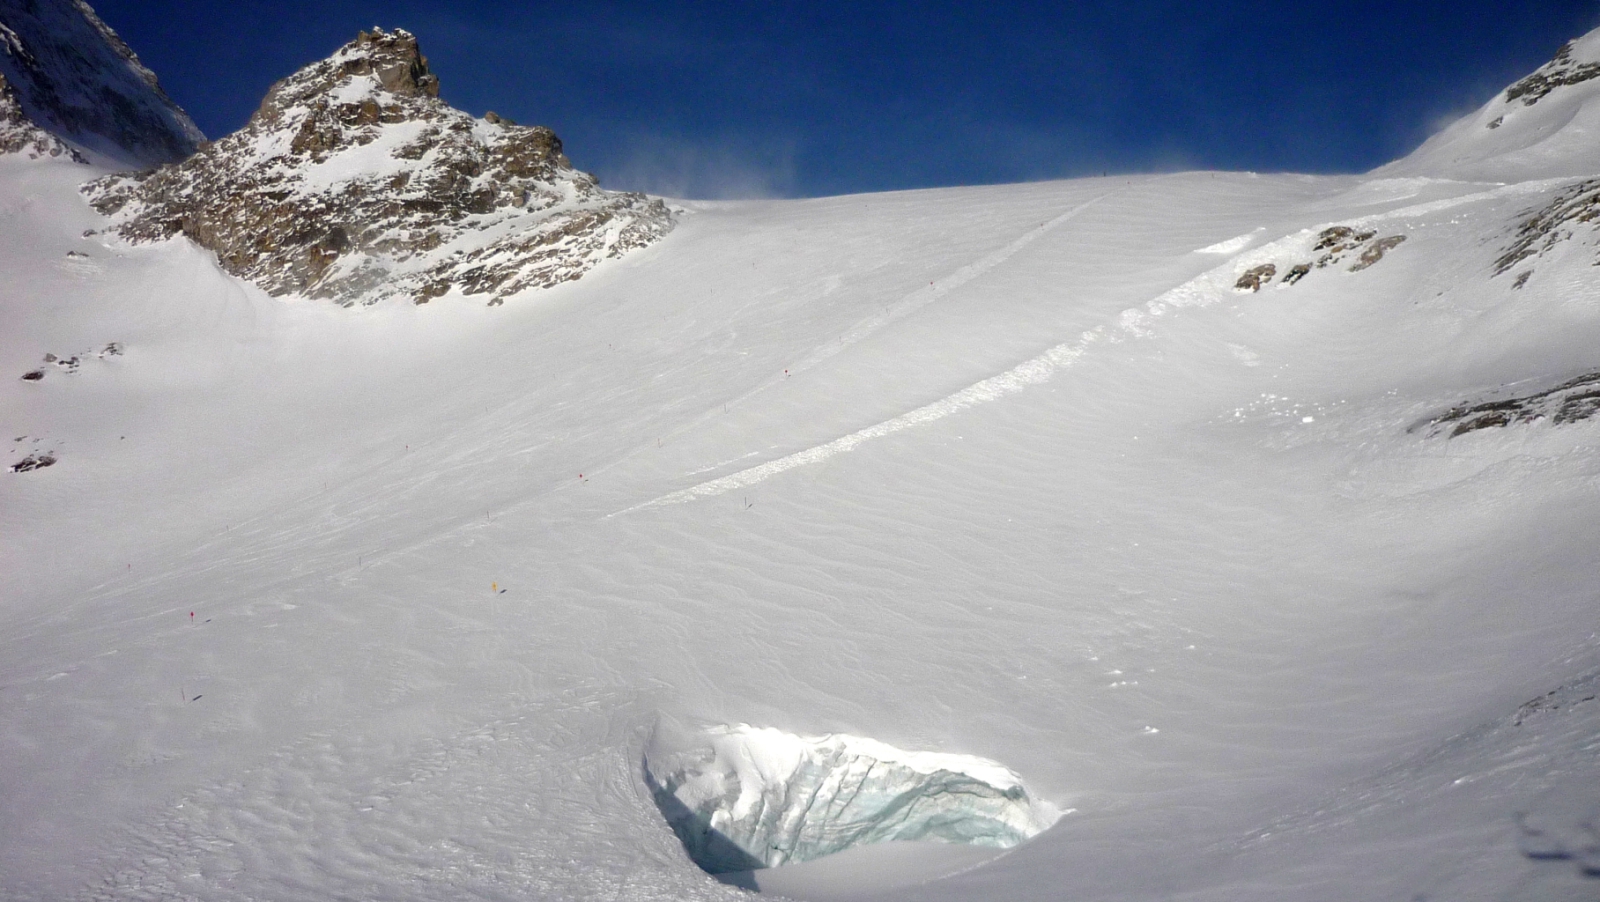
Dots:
pixel 744 798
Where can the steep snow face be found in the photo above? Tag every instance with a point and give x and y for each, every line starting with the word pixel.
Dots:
pixel 76 79
pixel 746 798
pixel 1543 126
pixel 355 183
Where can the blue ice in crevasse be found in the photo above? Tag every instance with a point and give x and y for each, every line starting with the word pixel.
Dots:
pixel 745 798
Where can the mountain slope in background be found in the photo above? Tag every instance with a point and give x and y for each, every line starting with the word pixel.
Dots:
pixel 18 134
pixel 355 183
pixel 1248 521
pixel 1546 125
pixel 73 77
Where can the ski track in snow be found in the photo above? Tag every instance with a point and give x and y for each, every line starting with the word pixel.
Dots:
pixel 893 313
pixel 1204 290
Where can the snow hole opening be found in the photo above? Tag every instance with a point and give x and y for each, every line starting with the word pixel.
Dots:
pixel 744 800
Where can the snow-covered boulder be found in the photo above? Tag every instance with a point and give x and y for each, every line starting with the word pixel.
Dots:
pixel 354 183
pixel 66 73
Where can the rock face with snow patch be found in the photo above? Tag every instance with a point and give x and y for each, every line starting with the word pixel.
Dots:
pixel 746 798
pixel 1572 401
pixel 66 73
pixel 355 183
pixel 1541 231
pixel 1560 72
pixel 18 134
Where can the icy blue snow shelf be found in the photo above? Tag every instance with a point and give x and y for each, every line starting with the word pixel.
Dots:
pixel 743 798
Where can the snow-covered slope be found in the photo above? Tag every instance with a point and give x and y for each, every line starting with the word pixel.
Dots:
pixel 353 182
pixel 1543 126
pixel 74 78
pixel 394 601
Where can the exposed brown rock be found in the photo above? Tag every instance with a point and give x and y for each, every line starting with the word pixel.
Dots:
pixel 1559 72
pixel 1335 243
pixel 353 182
pixel 1571 401
pixel 1541 230
pixel 1255 277
pixel 1375 251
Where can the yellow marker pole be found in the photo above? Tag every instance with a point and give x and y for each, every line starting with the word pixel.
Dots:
pixel 494 588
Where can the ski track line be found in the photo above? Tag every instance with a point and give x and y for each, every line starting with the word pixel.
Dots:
pixel 1030 372
pixel 937 289
pixel 1201 291
pixel 899 310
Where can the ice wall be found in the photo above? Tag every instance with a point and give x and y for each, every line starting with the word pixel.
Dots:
pixel 744 798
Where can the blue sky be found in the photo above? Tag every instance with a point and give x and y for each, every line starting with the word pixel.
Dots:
pixel 805 99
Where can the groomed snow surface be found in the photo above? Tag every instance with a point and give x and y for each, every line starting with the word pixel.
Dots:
pixel 394 603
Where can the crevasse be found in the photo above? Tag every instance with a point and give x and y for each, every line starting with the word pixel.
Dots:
pixel 743 798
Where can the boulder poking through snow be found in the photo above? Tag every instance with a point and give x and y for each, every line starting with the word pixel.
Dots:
pixel 355 183
pixel 745 798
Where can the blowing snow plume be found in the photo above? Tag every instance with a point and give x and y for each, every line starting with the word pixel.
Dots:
pixel 744 798
pixel 355 183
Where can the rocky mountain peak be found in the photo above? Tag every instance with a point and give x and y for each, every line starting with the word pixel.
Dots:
pixel 394 58
pixel 354 182
pixel 70 75
pixel 376 62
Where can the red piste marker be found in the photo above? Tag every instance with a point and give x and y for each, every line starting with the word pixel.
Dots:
pixel 191 616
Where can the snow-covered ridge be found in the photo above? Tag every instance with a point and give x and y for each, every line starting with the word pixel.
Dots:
pixel 746 797
pixel 355 183
pixel 1564 70
pixel 75 79
pixel 1540 126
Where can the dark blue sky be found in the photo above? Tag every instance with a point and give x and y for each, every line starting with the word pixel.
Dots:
pixel 801 99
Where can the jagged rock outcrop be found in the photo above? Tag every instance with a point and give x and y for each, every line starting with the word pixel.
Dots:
pixel 1542 230
pixel 354 183
pixel 1562 71
pixel 68 74
pixel 1572 401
